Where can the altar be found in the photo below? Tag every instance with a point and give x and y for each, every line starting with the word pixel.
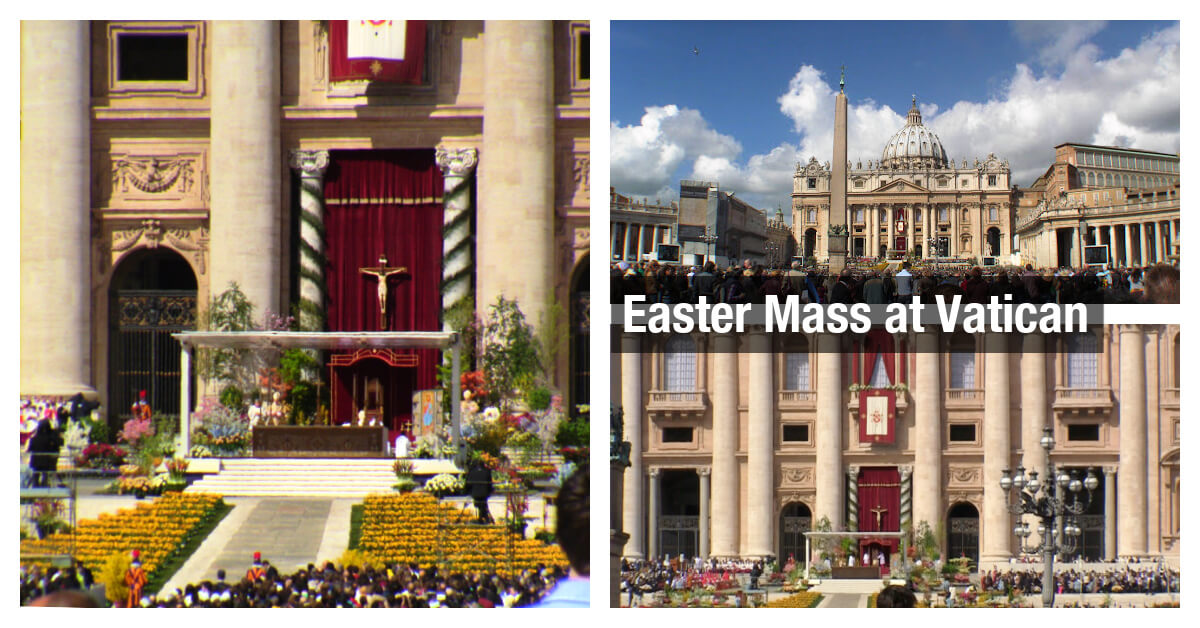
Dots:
pixel 316 441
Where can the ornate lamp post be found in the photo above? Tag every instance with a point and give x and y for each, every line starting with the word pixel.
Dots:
pixel 1055 499
pixel 708 238
pixel 772 251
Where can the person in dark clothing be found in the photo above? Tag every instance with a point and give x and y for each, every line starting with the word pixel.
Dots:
pixel 895 596
pixel 43 452
pixel 479 482
pixel 843 291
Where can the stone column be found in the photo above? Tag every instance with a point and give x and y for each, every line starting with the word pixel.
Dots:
pixel 852 497
pixel 891 227
pixel 831 411
pixel 955 245
pixel 613 256
pixel 1131 475
pixel 641 242
pixel 705 474
pixel 906 496
pixel 632 404
pixel 1110 512
pixel 1144 250
pixel 837 188
pixel 760 463
pixel 55 239
pixel 1127 259
pixel 725 485
pixel 518 254
pixel 927 458
pixel 997 450
pixel 246 160
pixel 310 165
pixel 1033 409
pixel 652 532
pixel 457 259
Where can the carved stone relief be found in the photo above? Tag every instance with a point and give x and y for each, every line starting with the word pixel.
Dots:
pixel 155 178
pixel 796 476
pixel 963 476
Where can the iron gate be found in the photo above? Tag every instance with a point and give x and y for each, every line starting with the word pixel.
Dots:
pixel 143 355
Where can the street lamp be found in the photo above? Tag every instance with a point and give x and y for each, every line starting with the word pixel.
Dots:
pixel 708 238
pixel 772 251
pixel 1055 499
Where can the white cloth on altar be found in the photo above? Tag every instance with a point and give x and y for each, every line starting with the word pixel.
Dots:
pixel 402 446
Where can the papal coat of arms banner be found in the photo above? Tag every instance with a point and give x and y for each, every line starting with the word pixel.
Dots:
pixel 877 416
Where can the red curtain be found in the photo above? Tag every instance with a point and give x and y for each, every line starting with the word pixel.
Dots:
pixel 411 70
pixel 879 489
pixel 879 341
pixel 384 202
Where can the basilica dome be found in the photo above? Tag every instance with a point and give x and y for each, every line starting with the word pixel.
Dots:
pixel 915 145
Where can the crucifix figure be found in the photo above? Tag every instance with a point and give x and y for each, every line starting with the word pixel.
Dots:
pixel 879 510
pixel 381 273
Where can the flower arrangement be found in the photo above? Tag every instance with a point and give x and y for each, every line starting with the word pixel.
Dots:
pixel 404 476
pixel 405 529
pixel 807 599
pixel 158 530
pixel 444 484
pixel 224 430
pixel 135 430
pixel 201 451
pixel 100 456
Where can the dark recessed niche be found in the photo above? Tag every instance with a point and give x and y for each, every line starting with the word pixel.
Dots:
pixel 152 57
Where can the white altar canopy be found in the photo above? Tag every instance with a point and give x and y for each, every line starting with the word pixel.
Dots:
pixel 282 340
pixel 808 537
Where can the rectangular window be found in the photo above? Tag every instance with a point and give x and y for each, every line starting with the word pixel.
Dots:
pixel 677 434
pixel 1087 432
pixel 584 69
pixel 152 57
pixel 1082 361
pixel 943 183
pixel 943 214
pixel 962 433
pixel 993 213
pixel 155 59
pixel 962 369
pixel 858 216
pixel 991 179
pixel 1108 161
pixel 965 182
pixel 858 183
pixel 795 433
pixel 797 373
pixel 812 183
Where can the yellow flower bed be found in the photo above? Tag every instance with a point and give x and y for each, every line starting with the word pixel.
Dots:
pixel 404 528
pixel 808 599
pixel 155 529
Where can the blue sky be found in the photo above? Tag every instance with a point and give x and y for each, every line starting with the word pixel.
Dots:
pixel 758 96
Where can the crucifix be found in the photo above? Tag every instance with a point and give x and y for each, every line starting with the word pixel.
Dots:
pixel 879 510
pixel 381 273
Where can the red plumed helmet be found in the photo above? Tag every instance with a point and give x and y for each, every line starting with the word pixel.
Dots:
pixel 142 394
pixel 137 556
pixel 257 557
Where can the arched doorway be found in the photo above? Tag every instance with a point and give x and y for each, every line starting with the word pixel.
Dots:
pixel 580 334
pixel 810 243
pixel 963 532
pixel 794 520
pixel 993 242
pixel 151 296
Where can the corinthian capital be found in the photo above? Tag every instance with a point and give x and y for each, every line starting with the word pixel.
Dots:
pixel 310 163
pixel 457 161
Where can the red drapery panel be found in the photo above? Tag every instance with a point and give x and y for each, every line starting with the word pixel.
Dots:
pixel 410 71
pixel 879 491
pixel 879 341
pixel 384 202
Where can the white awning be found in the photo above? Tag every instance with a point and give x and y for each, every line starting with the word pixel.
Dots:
pixel 318 340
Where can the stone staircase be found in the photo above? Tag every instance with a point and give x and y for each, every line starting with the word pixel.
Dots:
pixel 856 586
pixel 310 477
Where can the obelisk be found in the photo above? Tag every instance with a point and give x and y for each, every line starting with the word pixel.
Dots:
pixel 837 185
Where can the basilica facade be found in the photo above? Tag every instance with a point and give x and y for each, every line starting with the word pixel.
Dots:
pixel 741 443
pixel 914 201
pixel 162 162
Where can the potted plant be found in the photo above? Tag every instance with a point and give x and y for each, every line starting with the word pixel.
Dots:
pixel 404 476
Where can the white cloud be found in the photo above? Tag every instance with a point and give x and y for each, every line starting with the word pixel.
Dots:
pixel 1131 99
pixel 644 157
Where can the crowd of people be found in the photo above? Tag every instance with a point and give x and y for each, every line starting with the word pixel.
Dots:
pixel 642 577
pixel 1127 579
pixel 665 283
pixel 397 586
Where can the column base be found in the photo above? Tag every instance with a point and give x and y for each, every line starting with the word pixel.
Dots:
pixel 995 558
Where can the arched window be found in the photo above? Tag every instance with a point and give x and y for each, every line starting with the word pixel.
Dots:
pixel 962 363
pixel 1108 179
pixel 1082 361
pixel 797 374
pixel 679 365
